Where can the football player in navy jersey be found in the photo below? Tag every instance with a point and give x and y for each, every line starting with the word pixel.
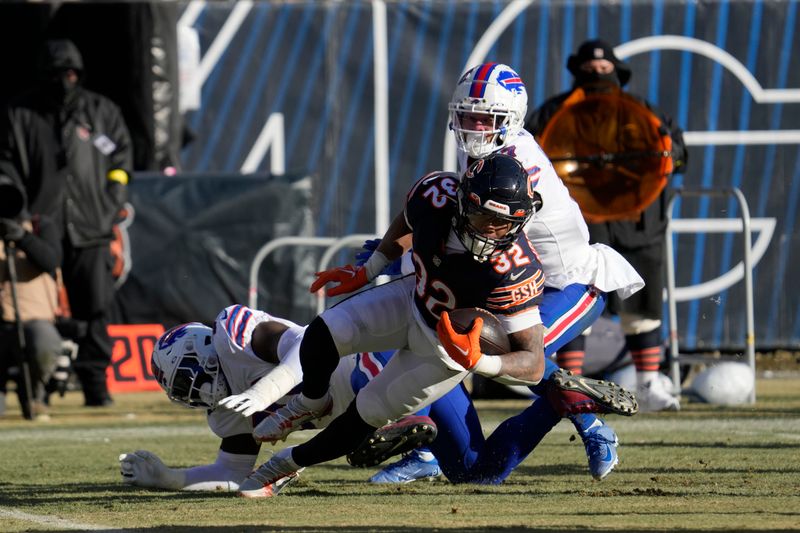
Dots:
pixel 487 113
pixel 243 367
pixel 469 251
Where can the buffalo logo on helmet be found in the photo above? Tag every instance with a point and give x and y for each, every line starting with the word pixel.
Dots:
pixel 169 338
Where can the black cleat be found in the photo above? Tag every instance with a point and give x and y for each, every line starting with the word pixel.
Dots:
pixel 570 395
pixel 393 439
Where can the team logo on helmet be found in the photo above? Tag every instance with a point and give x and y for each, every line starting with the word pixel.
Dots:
pixel 169 338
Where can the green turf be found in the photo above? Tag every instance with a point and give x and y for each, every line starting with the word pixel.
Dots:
pixel 704 468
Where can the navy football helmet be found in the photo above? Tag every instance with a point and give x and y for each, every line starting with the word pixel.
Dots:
pixel 496 191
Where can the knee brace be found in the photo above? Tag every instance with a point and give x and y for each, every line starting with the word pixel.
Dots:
pixel 318 357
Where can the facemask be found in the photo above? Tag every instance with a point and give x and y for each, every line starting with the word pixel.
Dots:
pixel 588 78
pixel 62 90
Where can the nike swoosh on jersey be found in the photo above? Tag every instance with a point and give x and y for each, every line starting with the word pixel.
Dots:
pixel 515 277
pixel 464 352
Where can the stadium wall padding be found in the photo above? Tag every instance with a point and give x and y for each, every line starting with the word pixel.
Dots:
pixel 193 240
pixel 728 72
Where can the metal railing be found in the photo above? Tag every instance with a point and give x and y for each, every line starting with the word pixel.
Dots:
pixel 681 226
pixel 333 245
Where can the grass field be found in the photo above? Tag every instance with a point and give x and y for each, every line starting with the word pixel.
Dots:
pixel 705 468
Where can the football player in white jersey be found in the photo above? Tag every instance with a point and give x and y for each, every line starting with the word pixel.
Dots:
pixel 240 370
pixel 487 113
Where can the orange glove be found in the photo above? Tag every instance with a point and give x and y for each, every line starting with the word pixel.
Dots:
pixel 350 279
pixel 463 348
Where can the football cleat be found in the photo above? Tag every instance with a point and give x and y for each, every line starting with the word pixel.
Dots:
pixel 270 478
pixel 571 395
pixel 654 397
pixel 287 419
pixel 601 448
pixel 393 439
pixel 410 468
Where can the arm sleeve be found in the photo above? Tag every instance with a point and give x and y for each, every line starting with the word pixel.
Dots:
pixel 225 474
pixel 122 158
pixel 43 246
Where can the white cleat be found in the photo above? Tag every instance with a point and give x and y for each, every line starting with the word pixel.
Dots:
pixel 653 397
pixel 288 419
pixel 270 478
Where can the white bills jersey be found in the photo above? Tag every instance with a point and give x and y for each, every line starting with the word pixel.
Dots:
pixel 241 367
pixel 558 231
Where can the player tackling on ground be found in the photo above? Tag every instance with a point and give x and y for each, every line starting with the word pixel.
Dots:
pixel 239 370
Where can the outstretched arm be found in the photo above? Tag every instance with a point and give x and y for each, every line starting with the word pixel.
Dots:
pixel 280 380
pixel 145 469
pixel 395 242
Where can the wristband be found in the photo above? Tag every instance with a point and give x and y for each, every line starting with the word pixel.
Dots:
pixel 488 366
pixel 375 264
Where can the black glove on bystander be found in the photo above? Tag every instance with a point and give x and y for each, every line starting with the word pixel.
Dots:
pixel 11 230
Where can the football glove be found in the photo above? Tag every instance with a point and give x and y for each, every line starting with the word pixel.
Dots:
pixel 349 279
pixel 463 348
pixel 269 389
pixel 145 469
pixel 246 403
pixel 369 247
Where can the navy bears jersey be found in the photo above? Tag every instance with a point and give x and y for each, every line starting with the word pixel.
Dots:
pixel 448 277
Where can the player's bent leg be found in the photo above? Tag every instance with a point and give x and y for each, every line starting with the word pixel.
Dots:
pixel 341 436
pixel 460 437
pixel 570 395
pixel 509 444
pixel 318 357
pixel 394 439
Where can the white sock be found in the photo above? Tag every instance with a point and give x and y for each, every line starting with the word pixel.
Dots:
pixel 286 455
pixel 424 456
pixel 314 404
pixel 643 378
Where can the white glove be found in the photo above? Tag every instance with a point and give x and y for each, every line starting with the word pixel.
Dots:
pixel 145 469
pixel 266 391
pixel 246 403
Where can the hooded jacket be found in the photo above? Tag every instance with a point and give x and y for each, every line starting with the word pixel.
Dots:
pixel 69 140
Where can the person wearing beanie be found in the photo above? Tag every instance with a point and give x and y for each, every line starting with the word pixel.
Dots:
pixel 616 169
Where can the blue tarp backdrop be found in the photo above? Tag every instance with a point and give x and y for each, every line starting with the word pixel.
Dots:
pixel 304 79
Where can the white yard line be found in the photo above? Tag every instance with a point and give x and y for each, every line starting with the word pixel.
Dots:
pixel 100 434
pixel 50 521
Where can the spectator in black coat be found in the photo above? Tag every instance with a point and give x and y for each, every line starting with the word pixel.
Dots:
pixel 79 142
pixel 638 236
